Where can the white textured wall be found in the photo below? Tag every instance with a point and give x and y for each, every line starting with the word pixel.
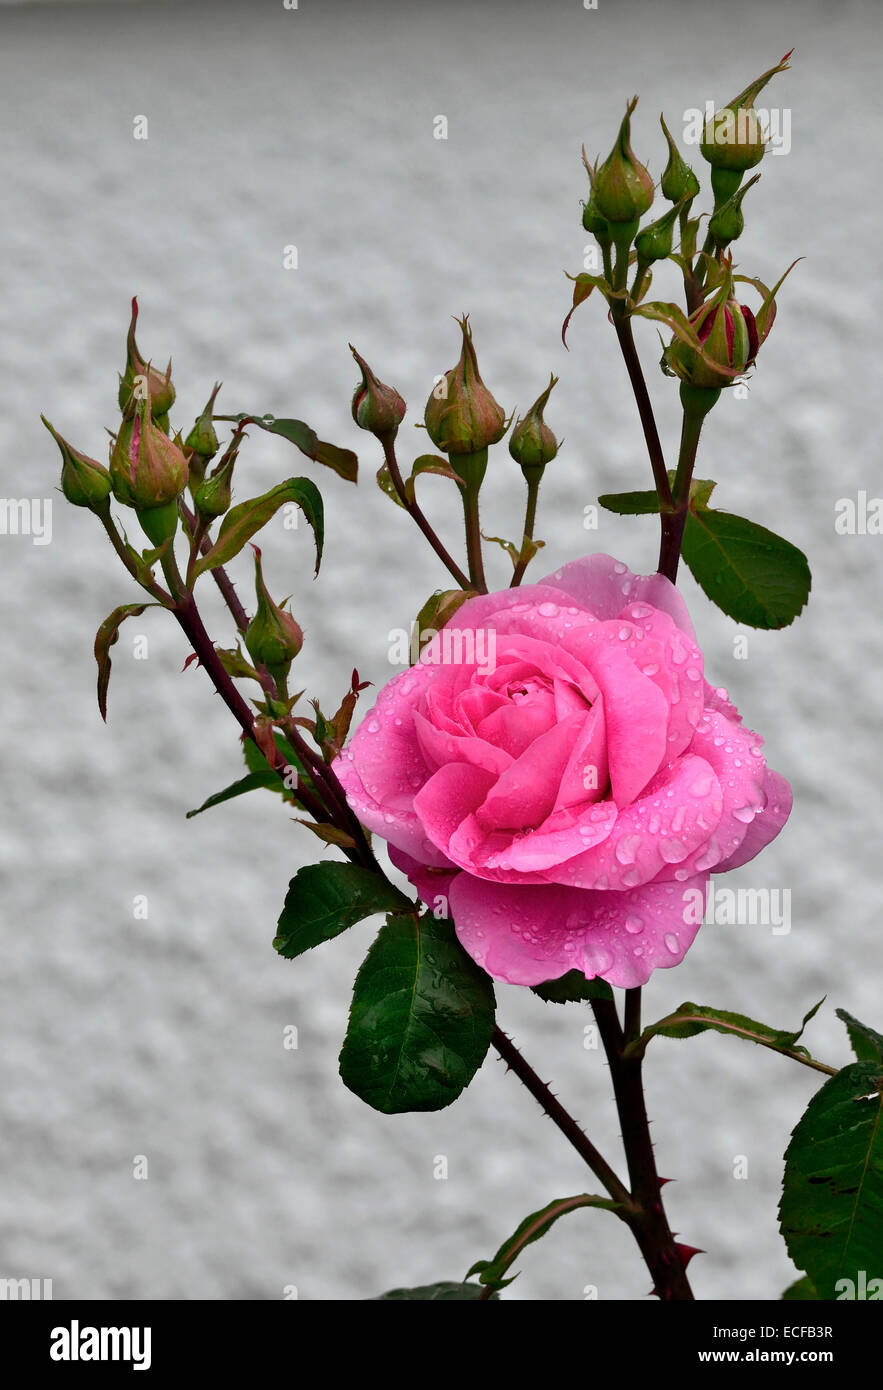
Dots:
pixel 164 1038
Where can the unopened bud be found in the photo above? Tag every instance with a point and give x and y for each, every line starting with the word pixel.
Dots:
pixel 273 638
pixel 84 482
pixel 654 242
pixel 623 187
pixel 147 468
pixel 727 222
pixel 202 439
pixel 728 333
pixel 213 496
pixel 141 379
pixel 678 180
pixel 376 407
pixel 732 138
pixel 531 443
pixel 461 415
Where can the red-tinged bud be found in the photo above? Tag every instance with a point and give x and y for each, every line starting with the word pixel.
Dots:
pixel 461 415
pixel 141 379
pixel 84 482
pixel 376 407
pixel 592 220
pixel 273 638
pixel 622 186
pixel 147 468
pixel 728 333
pixel 733 138
pixel 531 443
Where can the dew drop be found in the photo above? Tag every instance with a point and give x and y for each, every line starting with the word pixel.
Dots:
pixel 373 726
pixel 672 944
pixel 634 924
pixel 548 610
pixel 627 848
pixel 745 814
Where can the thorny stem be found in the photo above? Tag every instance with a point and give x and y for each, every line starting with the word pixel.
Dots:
pixel 624 334
pixel 560 1117
pixel 118 544
pixel 415 510
pixel 646 1216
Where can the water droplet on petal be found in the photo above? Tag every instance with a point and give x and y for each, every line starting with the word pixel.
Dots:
pixel 619 568
pixel 672 943
pixel 673 851
pixel 548 610
pixel 634 924
pixel 627 848
pixel 745 814
pixel 373 726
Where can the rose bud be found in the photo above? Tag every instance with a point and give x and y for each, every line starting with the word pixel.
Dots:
pixel 592 220
pixel 146 467
pixel 202 439
pixel 158 386
pixel 732 139
pixel 678 180
pixel 654 242
pixel 728 333
pixel 532 444
pixel 212 497
pixel 727 222
pixel 84 482
pixel 273 638
pixel 623 187
pixel 376 407
pixel 461 415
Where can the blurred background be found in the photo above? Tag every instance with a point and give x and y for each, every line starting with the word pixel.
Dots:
pixel 161 1038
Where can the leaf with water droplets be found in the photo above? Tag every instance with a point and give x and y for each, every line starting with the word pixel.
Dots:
pixel 325 899
pixel 421 1018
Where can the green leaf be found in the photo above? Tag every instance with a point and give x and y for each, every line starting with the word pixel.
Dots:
pixel 421 1018
pixel 386 484
pixel 866 1044
pixel 532 1228
pixel 753 575
pixel 444 1291
pixel 255 760
pixel 800 1291
pixel 430 463
pixel 831 1211
pixel 105 637
pixel 245 784
pixel 691 1019
pixel 647 503
pixel 242 521
pixel 323 900
pixel 630 503
pixel 572 988
pixel 438 610
pixel 342 461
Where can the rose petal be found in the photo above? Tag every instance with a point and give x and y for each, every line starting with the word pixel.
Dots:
pixel 526 935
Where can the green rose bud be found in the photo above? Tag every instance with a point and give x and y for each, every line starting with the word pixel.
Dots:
pixel 623 187
pixel 532 444
pixel 212 497
pixel 140 379
pixel 654 242
pixel 84 482
pixel 728 333
pixel 273 638
pixel 678 181
pixel 376 407
pixel 461 415
pixel 147 468
pixel 202 439
pixel 732 138
pixel 727 222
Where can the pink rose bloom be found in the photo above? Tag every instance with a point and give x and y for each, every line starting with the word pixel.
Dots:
pixel 564 776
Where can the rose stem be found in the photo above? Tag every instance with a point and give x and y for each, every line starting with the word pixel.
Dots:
pixel 624 334
pixel 646 1217
pixel 697 401
pixel 530 516
pixel 560 1117
pixel 473 539
pixel 415 511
